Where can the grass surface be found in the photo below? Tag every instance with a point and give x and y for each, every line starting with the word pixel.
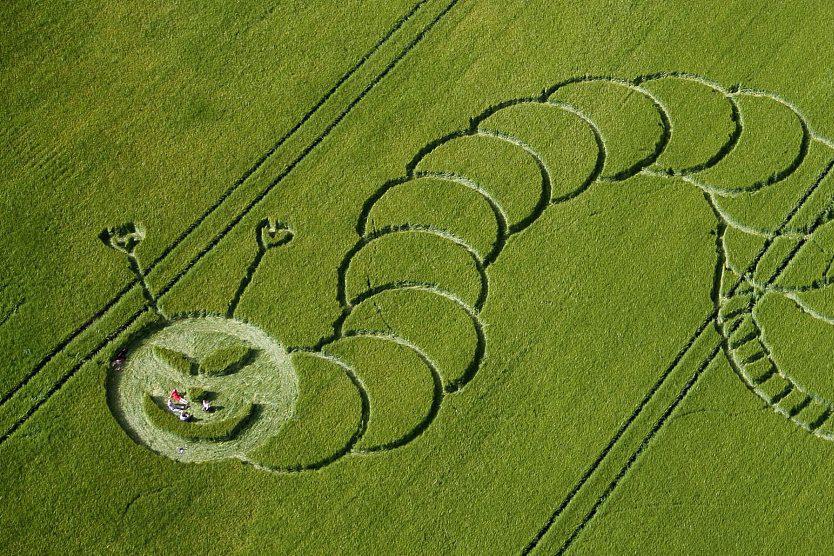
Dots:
pixel 531 288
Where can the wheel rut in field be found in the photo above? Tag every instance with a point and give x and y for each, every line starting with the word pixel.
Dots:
pixel 59 377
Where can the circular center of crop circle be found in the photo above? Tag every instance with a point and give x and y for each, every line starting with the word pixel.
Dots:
pixel 203 388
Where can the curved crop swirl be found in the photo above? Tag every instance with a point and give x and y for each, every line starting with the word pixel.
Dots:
pixel 413 285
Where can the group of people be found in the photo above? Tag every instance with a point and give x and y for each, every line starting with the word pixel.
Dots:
pixel 179 405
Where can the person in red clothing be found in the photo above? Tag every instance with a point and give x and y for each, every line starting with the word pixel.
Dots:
pixel 177 402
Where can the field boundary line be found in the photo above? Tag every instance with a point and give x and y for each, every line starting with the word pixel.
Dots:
pixel 4 435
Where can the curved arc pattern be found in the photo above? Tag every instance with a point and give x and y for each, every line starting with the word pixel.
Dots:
pixel 729 320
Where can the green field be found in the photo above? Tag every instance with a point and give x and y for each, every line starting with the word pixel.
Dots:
pixel 435 276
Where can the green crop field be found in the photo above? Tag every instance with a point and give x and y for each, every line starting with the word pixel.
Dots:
pixel 427 276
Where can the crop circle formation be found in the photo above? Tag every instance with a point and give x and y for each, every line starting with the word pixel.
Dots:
pixel 246 376
pixel 575 134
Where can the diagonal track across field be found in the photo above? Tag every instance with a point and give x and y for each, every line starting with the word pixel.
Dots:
pixel 626 446
pixel 238 197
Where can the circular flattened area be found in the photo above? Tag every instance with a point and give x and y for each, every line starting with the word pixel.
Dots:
pixel 245 375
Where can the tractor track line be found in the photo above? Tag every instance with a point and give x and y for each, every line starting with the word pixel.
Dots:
pixel 226 230
pixel 641 448
pixel 715 295
pixel 620 432
pixel 722 225
pixel 55 351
